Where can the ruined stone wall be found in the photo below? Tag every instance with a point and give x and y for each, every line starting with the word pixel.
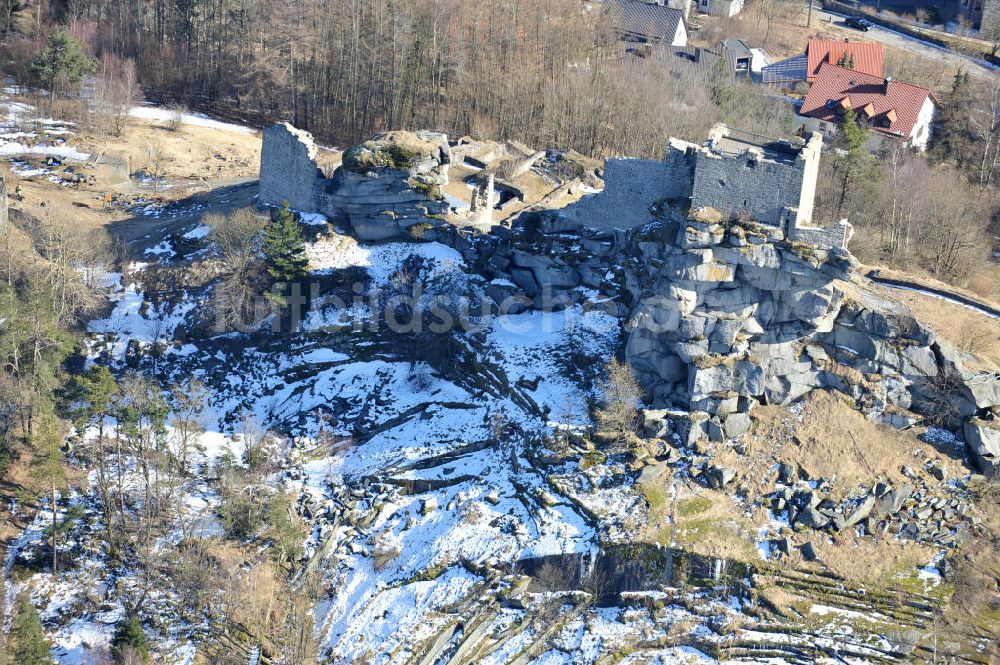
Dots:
pixel 288 170
pixel 631 187
pixel 809 163
pixel 680 165
pixel 990 22
pixel 730 184
pixel 837 235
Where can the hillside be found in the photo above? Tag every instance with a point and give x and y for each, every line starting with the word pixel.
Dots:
pixel 780 476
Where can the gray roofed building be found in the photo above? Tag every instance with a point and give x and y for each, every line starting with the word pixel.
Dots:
pixel 787 72
pixel 638 21
pixel 701 62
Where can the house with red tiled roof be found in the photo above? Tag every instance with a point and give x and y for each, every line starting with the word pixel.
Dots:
pixel 865 57
pixel 891 109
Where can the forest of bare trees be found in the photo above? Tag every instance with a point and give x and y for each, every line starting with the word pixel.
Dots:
pixel 546 73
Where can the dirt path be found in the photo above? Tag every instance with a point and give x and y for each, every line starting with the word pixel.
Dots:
pixel 141 232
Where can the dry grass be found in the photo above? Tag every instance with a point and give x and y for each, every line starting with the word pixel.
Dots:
pixel 866 559
pixel 702 521
pixel 977 569
pixel 710 524
pixel 965 328
pixel 197 156
pixel 833 440
pixel 194 152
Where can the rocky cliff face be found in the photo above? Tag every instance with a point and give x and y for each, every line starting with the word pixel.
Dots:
pixel 722 312
pixel 722 317
pixel 389 184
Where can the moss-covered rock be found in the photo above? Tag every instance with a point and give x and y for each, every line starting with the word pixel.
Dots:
pixel 394 150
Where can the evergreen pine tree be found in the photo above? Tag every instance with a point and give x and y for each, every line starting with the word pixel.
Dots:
pixel 284 251
pixel 856 168
pixel 96 389
pixel 47 467
pixel 32 645
pixel 952 135
pixel 129 642
pixel 63 58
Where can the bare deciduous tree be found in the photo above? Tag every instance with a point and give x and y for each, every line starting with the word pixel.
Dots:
pixel 621 396
pixel 116 90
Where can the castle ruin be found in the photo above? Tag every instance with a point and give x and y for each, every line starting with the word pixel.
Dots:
pixel 731 176
pixel 383 189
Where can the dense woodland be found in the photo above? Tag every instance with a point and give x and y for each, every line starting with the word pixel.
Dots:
pixel 543 72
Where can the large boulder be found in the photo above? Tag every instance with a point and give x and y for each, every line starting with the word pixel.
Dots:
pixel 892 501
pixel 983 438
pixel 812 518
pixel 860 511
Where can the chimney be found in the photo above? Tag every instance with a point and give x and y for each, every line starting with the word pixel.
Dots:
pixel 888 82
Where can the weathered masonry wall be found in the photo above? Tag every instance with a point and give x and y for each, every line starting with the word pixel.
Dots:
pixel 809 157
pixel 775 184
pixel 746 182
pixel 288 170
pixel 837 235
pixel 680 165
pixel 631 186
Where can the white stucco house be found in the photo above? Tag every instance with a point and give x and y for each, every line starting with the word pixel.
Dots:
pixel 720 7
pixel 891 109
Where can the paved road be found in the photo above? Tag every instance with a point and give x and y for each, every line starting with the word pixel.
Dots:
pixel 926 49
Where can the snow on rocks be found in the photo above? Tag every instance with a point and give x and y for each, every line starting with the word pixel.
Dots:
pixel 133 318
pixel 23 134
pixel 198 232
pixel 339 252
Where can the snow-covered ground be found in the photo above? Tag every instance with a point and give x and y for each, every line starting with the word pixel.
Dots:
pixel 417 426
pixel 422 478
pixel 160 114
pixel 23 131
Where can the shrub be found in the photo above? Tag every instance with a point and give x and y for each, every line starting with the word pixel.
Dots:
pixel 175 118
pixel 419 231
pixel 621 395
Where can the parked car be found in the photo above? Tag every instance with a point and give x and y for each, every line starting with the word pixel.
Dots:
pixel 858 23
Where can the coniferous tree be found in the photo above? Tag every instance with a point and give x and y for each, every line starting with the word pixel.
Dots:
pixel 32 645
pixel 284 252
pixel 129 642
pixel 856 168
pixel 63 58
pixel 48 468
pixel 96 390
pixel 952 133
